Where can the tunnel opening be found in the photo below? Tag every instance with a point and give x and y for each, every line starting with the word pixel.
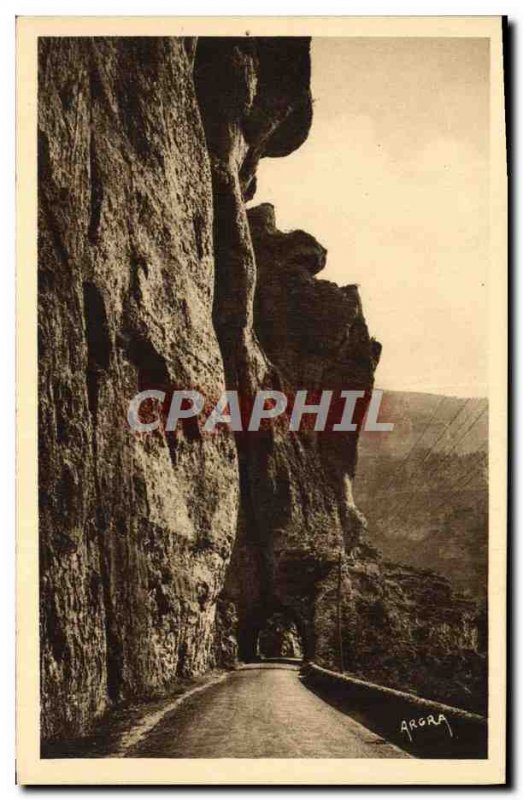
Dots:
pixel 247 641
pixel 278 634
pixel 279 638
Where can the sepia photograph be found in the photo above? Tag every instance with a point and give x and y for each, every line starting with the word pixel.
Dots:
pixel 267 284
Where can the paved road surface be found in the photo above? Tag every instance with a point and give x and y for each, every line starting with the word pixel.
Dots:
pixel 261 711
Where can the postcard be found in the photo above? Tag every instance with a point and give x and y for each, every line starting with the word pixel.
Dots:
pixel 262 400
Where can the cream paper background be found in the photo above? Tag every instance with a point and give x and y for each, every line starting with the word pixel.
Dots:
pixel 30 768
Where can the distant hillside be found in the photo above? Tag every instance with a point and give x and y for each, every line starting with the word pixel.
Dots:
pixel 423 487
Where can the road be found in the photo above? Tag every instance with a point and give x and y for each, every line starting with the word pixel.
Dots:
pixel 260 711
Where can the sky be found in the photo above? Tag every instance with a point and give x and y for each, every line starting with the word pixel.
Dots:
pixel 394 181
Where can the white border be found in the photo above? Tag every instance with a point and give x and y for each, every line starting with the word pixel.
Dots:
pixel 7 221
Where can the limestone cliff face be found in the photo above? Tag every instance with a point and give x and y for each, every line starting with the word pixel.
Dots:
pixel 164 555
pixel 316 338
pixel 135 532
pixel 385 622
pixel 278 328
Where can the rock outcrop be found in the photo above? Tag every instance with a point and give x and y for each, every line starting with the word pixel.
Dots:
pixel 164 555
pixel 279 639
